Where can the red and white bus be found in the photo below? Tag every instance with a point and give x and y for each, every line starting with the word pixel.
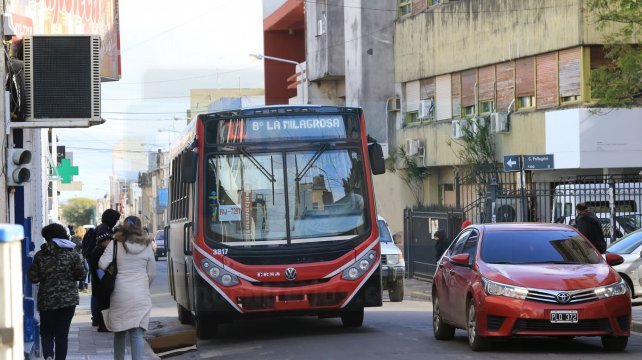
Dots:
pixel 272 212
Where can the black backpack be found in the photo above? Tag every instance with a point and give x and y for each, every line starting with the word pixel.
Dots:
pixel 88 242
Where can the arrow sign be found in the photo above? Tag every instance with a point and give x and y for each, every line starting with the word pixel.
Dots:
pixel 512 163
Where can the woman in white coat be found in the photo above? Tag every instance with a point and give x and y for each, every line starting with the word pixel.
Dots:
pixel 130 303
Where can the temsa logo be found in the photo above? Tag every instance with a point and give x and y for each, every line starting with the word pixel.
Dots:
pixel 268 274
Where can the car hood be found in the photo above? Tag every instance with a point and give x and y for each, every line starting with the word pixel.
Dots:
pixel 388 248
pixel 551 276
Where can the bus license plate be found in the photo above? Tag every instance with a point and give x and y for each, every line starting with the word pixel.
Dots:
pixel 564 316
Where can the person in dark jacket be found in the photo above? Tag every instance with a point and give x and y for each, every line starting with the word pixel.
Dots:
pixel 56 267
pixel 589 225
pixel 109 220
pixel 103 237
pixel 441 244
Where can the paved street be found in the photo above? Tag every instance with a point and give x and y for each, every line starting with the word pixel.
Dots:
pixel 394 331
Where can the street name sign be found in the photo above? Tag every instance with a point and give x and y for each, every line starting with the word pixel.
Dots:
pixel 539 162
pixel 512 163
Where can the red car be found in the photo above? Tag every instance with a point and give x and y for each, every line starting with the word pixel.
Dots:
pixel 504 280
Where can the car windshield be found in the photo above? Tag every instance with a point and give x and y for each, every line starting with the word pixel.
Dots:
pixel 252 197
pixel 160 235
pixel 384 234
pixel 630 223
pixel 627 244
pixel 537 247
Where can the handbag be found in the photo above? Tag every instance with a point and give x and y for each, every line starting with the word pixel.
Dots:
pixel 108 281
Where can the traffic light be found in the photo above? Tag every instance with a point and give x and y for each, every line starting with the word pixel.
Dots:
pixel 18 166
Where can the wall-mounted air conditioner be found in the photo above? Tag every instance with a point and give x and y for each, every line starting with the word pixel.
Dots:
pixel 427 109
pixel 412 147
pixel 499 122
pixel 475 123
pixel 394 104
pixel 457 132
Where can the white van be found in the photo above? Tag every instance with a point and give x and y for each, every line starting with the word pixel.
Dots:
pixel 628 198
pixel 393 266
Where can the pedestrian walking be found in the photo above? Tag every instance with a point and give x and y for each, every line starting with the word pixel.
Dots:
pixel 103 238
pixel 82 284
pixel 56 267
pixel 589 225
pixel 441 244
pixel 130 303
pixel 109 219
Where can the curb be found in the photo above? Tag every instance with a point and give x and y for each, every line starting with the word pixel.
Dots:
pixel 421 295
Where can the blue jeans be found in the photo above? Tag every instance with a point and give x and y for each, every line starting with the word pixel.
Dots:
pixel 136 339
pixel 54 330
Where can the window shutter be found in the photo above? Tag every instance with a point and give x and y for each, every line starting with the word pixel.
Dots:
pixel 569 72
pixel 427 88
pixel 505 85
pixel 468 80
pixel 455 88
pixel 487 83
pixel 443 98
pixel 412 96
pixel 547 80
pixel 525 77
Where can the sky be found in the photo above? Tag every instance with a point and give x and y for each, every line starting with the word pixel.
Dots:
pixel 167 48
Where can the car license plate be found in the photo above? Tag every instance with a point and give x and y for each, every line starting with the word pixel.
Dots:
pixel 564 316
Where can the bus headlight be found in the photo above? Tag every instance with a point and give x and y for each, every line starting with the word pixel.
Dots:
pixel 218 274
pixel 362 265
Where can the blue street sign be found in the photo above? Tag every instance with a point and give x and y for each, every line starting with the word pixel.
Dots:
pixel 512 163
pixel 539 162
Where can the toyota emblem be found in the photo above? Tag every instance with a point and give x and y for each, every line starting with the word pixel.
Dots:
pixel 290 274
pixel 563 297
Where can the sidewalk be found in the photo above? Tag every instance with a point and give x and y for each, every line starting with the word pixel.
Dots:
pixel 85 343
pixel 420 290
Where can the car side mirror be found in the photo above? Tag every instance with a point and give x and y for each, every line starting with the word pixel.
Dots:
pixel 188 167
pixel 613 259
pixel 461 259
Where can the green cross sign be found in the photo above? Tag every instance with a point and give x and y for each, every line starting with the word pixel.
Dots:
pixel 66 171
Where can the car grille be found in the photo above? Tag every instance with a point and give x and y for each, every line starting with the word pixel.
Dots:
pixel 601 325
pixel 550 296
pixel 289 284
pixel 493 323
pixel 384 259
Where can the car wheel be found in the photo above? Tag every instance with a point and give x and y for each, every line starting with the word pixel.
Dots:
pixel 614 343
pixel 475 341
pixel 396 293
pixel 440 329
pixel 352 318
pixel 184 316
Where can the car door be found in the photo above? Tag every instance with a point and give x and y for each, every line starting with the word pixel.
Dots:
pixel 444 273
pixel 461 277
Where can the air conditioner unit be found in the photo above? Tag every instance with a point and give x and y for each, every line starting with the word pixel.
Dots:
pixel 508 209
pixel 476 123
pixel 62 77
pixel 457 132
pixel 394 104
pixel 426 109
pixel 499 122
pixel 412 147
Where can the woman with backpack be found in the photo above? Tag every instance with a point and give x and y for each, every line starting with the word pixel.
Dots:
pixel 130 303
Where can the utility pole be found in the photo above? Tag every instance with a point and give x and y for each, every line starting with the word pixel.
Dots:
pixel 4 201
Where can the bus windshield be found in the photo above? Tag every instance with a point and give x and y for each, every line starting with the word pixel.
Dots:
pixel 285 197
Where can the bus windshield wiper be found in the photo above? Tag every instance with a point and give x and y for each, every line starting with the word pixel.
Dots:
pixel 258 165
pixel 309 164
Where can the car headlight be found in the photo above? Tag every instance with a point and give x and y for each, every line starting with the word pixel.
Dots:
pixel 361 266
pixel 619 288
pixel 392 259
pixel 219 275
pixel 499 289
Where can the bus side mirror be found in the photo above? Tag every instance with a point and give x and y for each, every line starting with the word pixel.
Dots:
pixel 188 167
pixel 377 164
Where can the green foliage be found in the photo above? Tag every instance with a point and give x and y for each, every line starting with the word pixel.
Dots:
pixel 477 145
pixel 619 83
pixel 78 211
pixel 407 168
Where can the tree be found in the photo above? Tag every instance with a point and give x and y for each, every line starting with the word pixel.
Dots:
pixel 618 83
pixel 79 211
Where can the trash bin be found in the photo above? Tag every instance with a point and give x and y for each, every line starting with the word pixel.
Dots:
pixel 11 328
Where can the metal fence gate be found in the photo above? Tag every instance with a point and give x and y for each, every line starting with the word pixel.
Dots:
pixel 419 246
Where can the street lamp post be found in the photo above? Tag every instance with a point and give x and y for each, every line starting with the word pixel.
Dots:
pixel 298 65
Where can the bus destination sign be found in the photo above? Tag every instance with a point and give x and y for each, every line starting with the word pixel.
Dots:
pixel 306 127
